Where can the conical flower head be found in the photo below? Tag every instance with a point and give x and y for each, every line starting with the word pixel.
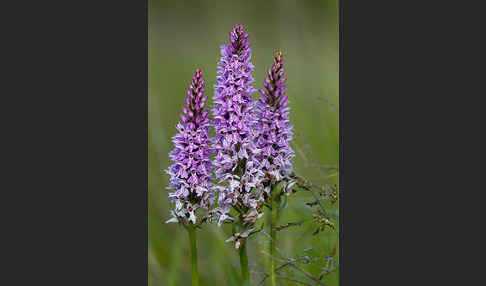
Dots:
pixel 273 125
pixel 195 101
pixel 234 118
pixel 190 173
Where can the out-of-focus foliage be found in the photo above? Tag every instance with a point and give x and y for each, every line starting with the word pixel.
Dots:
pixel 185 35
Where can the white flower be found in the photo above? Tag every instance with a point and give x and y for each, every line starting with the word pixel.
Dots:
pixel 192 217
pixel 237 237
pixel 232 238
pixel 200 190
pixel 288 187
pixel 178 205
pixel 173 219
pixel 223 217
pixel 234 184
pixel 247 233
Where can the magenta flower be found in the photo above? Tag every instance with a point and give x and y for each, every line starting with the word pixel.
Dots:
pixel 234 142
pixel 190 173
pixel 273 125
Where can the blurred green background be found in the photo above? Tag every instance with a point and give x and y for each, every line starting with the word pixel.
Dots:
pixel 185 35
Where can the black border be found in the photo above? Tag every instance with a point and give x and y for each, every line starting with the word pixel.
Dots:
pixel 78 77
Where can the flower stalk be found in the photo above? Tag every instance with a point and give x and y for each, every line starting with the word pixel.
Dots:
pixel 273 235
pixel 191 229
pixel 245 274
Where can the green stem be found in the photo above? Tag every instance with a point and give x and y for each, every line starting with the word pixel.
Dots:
pixel 273 235
pixel 191 228
pixel 244 264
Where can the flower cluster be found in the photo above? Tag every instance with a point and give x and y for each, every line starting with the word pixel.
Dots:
pixel 273 126
pixel 191 171
pixel 234 143
pixel 251 141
